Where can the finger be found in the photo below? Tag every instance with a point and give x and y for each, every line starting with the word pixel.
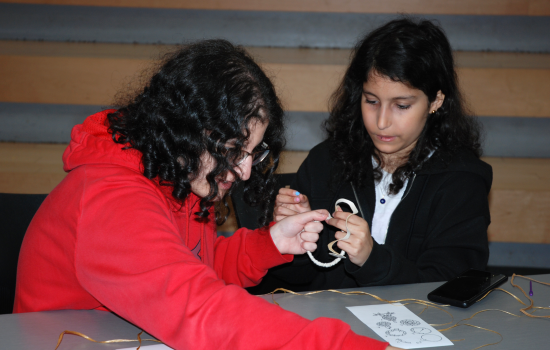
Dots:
pixel 314 227
pixel 284 199
pixel 307 236
pixel 309 246
pixel 339 224
pixel 342 214
pixel 340 234
pixel 358 231
pixel 347 247
pixel 314 215
pixel 289 192
pixel 353 219
pixel 282 210
pixel 304 201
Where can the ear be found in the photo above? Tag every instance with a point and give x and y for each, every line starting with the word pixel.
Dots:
pixel 439 98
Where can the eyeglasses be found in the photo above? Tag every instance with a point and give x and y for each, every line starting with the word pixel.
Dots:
pixel 257 156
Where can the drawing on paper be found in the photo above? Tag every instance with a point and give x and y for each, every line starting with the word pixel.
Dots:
pixel 420 330
pixel 431 337
pixel 397 325
pixel 396 332
pixel 388 316
pixel 409 323
pixel 384 324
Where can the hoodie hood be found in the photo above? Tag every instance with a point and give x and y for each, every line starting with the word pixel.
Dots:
pixel 91 143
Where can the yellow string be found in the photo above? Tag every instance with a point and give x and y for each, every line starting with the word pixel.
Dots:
pixel 104 341
pixel 531 305
pixel 414 301
pixel 428 304
pixel 485 329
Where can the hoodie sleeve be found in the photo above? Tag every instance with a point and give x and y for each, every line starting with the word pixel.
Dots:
pixel 130 258
pixel 244 258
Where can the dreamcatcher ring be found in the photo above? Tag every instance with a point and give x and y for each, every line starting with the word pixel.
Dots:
pixel 339 256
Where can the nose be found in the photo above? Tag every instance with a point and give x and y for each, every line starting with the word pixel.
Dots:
pixel 384 118
pixel 244 169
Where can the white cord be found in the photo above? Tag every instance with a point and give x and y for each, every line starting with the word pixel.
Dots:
pixel 343 253
pixel 327 265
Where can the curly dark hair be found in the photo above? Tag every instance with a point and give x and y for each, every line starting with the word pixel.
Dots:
pixel 418 54
pixel 203 95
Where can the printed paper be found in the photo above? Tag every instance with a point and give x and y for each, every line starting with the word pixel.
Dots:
pixel 399 326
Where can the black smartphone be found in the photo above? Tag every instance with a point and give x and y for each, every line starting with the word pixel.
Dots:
pixel 465 289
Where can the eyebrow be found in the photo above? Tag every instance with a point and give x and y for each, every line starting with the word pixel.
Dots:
pixel 410 97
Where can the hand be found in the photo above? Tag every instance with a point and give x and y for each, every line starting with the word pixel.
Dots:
pixel 359 244
pixel 298 233
pixel 290 202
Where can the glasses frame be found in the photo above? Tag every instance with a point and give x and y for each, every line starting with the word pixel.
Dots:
pixel 263 155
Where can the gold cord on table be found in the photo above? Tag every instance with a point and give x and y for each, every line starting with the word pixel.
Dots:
pixel 105 341
pixel 409 300
pixel 428 304
pixel 531 306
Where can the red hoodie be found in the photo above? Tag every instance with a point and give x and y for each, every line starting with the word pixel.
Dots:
pixel 109 238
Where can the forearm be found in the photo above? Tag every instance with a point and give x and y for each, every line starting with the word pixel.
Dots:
pixel 440 257
pixel 244 258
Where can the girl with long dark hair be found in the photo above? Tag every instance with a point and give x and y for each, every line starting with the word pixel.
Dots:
pixel 132 227
pixel 403 152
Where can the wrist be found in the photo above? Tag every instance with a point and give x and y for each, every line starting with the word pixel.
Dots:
pixel 275 236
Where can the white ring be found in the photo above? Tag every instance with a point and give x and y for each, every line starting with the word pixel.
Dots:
pixel 343 253
pixel 318 263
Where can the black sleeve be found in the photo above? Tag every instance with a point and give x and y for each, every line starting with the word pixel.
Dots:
pixel 454 240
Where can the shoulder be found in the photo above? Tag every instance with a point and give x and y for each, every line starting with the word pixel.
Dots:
pixel 314 173
pixel 320 153
pixel 115 184
pixel 318 159
pixel 463 166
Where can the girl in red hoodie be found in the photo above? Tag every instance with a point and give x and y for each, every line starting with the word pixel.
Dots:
pixel 132 227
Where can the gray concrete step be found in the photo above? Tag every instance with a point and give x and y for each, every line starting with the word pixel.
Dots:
pixel 255 28
pixel 521 137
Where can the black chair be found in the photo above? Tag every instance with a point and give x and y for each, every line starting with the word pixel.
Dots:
pixel 248 216
pixel 16 212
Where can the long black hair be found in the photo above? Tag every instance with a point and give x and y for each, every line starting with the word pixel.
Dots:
pixel 418 54
pixel 203 95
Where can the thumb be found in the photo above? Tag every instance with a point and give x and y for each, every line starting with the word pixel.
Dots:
pixel 314 215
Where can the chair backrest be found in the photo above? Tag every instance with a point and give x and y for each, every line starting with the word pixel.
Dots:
pixel 16 212
pixel 248 216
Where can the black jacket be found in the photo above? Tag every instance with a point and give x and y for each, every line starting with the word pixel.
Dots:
pixel 437 231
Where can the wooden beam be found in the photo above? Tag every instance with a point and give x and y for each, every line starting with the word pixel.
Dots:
pixel 520 200
pixel 302 87
pixel 422 7
pixel 30 167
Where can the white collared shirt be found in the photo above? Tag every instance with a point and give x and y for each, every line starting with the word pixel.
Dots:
pixel 383 212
